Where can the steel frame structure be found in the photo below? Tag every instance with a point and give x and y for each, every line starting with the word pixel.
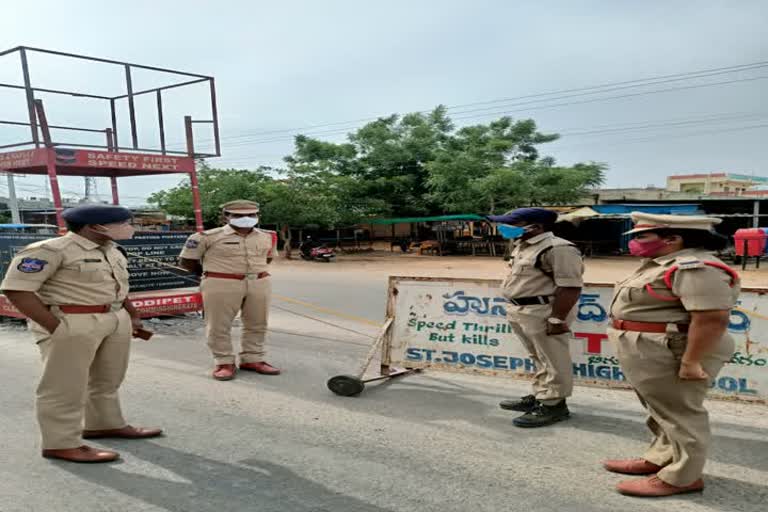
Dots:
pixel 40 155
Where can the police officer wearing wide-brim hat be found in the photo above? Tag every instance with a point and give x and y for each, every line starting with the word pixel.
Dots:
pixel 669 326
pixel 233 261
pixel 543 286
pixel 73 289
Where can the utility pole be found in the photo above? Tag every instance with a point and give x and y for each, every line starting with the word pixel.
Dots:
pixel 90 190
pixel 13 201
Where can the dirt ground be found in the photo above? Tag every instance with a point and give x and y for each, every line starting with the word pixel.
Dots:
pixel 598 269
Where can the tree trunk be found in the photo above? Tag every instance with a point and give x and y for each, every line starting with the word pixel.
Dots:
pixel 286 232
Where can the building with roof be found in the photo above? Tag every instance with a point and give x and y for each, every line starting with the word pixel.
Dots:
pixel 714 183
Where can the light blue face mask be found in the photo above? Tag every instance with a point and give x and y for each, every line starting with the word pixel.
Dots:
pixel 511 232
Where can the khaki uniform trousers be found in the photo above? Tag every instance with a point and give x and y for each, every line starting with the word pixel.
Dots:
pixel 84 364
pixel 223 299
pixel 553 379
pixel 678 420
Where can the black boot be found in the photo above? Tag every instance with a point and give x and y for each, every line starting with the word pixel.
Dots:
pixel 543 415
pixel 525 404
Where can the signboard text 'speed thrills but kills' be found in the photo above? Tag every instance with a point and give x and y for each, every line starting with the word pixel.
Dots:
pixel 460 324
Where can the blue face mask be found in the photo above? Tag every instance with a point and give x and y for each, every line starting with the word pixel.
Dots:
pixel 511 232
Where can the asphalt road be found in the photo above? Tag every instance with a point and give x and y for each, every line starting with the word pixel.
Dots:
pixel 432 442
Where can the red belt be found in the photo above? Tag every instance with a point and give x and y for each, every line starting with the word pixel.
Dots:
pixel 84 310
pixel 239 277
pixel 631 325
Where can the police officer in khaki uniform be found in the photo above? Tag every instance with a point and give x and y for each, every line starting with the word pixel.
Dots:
pixel 669 326
pixel 233 261
pixel 73 290
pixel 543 286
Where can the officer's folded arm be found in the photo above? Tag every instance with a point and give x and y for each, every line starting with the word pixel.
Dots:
pixel 30 305
pixel 191 266
pixel 704 333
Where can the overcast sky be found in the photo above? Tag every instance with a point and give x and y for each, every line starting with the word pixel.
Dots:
pixel 288 65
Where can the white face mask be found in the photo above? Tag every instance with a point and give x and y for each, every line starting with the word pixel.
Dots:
pixel 118 231
pixel 244 222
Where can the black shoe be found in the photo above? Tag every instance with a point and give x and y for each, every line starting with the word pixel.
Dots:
pixel 543 415
pixel 525 404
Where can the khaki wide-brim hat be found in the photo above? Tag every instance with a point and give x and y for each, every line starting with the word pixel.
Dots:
pixel 241 206
pixel 649 222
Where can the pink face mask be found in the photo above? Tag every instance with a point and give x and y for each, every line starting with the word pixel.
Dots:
pixel 645 249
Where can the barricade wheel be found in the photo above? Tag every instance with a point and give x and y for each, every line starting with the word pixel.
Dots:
pixel 346 385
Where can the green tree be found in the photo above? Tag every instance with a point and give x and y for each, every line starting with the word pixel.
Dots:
pixel 414 164
pixel 217 186
pixel 467 174
pixel 529 183
pixel 387 158
pixel 418 164
pixel 316 198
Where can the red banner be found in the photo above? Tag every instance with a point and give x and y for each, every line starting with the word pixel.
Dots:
pixel 7 309
pixel 128 161
pixel 22 159
pixel 161 305
pixel 156 305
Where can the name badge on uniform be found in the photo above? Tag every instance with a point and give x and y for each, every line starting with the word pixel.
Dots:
pixel 31 265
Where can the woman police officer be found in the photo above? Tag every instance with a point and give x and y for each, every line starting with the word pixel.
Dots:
pixel 669 326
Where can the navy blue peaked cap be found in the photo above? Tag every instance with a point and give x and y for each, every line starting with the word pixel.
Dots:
pixel 97 214
pixel 531 215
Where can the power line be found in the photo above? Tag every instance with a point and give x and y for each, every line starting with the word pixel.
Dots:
pixel 667 137
pixel 620 96
pixel 527 109
pixel 596 131
pixel 595 89
pixel 604 129
pixel 643 124
pixel 629 141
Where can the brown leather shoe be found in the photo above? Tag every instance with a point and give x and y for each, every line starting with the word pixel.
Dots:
pixel 224 372
pixel 631 466
pixel 654 486
pixel 82 454
pixel 127 432
pixel 262 368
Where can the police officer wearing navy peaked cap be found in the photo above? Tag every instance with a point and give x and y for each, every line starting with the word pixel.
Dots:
pixel 543 286
pixel 74 291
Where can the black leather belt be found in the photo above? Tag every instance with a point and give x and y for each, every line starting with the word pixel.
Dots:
pixel 530 301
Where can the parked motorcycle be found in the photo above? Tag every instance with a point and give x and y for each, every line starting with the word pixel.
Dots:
pixel 313 251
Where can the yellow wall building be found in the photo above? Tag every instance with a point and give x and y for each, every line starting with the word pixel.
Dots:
pixel 720 183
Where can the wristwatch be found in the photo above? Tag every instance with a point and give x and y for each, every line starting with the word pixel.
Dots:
pixel 555 321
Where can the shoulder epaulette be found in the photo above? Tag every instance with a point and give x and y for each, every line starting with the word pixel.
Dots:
pixel 689 263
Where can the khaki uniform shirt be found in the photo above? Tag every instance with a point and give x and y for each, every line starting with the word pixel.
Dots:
pixel 700 288
pixel 224 250
pixel 70 270
pixel 562 261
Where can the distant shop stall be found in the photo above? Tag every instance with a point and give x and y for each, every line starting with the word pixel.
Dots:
pixel 460 234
